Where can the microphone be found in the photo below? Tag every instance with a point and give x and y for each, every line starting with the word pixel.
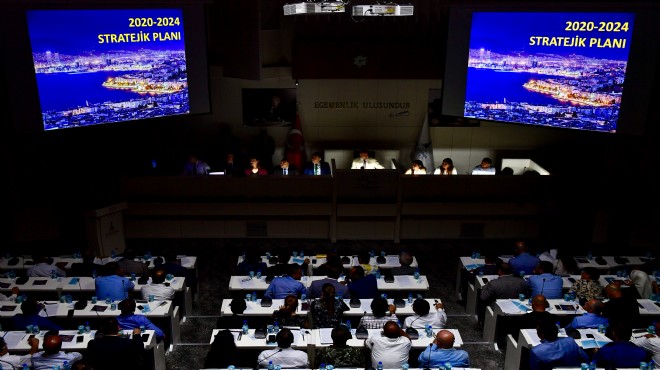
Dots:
pixel 267 357
pixel 364 166
pixel 428 362
pixel 542 286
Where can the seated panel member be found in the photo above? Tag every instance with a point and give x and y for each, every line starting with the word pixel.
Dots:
pixel 484 168
pixel 446 168
pixel 366 163
pixel 443 351
pixel 286 169
pixel 52 355
pixel 316 166
pixel 417 168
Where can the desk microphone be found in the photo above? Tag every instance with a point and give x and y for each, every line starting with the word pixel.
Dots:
pixel 428 362
pixel 267 357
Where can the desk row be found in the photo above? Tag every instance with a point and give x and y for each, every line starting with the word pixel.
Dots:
pixel 72 284
pixel 383 262
pixel 400 283
pixel 25 262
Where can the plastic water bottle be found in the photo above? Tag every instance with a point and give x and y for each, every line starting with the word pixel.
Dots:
pixel 113 254
pixel 94 274
pixel 88 329
pixel 380 365
pixel 584 366
pixel 429 331
pixel 348 324
pixel 329 367
pixel 405 366
pixel 592 365
pixel 302 254
pixel 276 327
pixel 66 366
pixel 322 367
pixel 303 297
pixel 270 365
pixel 246 328
pixel 447 365
pixel 53 274
pixel 410 298
pixel 590 255
pixel 651 365
pixel 26 367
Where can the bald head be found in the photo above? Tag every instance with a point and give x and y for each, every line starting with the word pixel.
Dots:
pixel 594 306
pixel 539 303
pixel 520 247
pixel 391 329
pixel 445 339
pixel 613 290
pixel 52 344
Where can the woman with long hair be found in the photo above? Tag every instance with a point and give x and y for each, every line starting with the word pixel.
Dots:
pixel 255 168
pixel 446 168
pixel 287 315
pixel 417 168
pixel 327 311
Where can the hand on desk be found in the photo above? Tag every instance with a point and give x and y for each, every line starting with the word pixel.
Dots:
pixel 34 345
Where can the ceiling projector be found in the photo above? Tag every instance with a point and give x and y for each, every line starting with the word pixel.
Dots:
pixel 315 8
pixel 382 10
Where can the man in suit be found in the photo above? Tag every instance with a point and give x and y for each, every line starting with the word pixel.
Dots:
pixel 317 166
pixel 334 271
pixel 286 169
pixel 363 162
pixel 112 351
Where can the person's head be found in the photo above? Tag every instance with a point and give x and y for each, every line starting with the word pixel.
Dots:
pixel 193 159
pixel 52 343
pixel 421 307
pixel 621 332
pixel 158 276
pixel 490 259
pixel 223 340
pixel 364 154
pixel 417 164
pixel 590 273
pixel 238 306
pixel 486 163
pixel 356 273
pixel 129 253
pixel 520 247
pixel 295 271
pixel 284 338
pixel 447 164
pixel 274 102
pixel 334 270
pixel 170 256
pixel 364 257
pixel 539 303
pixel 254 163
pixel 545 267
pixel 317 158
pixel 405 258
pixel 127 306
pixel 229 158
pixel 594 306
pixel 507 171
pixel 391 330
pixel 340 335
pixel 547 329
pixel 110 326
pixel 504 269
pixel 379 306
pixel 613 290
pixel 284 163
pixel 30 307
pixel 445 339
pixel 328 290
pixel 291 303
pixel 111 268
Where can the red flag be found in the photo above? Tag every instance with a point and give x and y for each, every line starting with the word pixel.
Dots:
pixel 294 151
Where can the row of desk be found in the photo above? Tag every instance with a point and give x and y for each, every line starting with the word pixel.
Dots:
pixel 391 261
pixel 25 262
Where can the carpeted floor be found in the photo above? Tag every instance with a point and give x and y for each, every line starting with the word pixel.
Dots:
pixel 438 259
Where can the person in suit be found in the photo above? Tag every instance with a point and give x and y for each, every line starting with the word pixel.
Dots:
pixel 129 265
pixel 286 168
pixel 112 351
pixel 364 162
pixel 316 166
pixel 231 167
pixel 86 267
pixel 195 166
pixel 333 272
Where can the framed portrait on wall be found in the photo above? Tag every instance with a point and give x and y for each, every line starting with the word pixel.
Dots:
pixel 269 107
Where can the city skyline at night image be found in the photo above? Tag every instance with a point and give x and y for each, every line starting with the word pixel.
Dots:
pixel 548 69
pixel 105 66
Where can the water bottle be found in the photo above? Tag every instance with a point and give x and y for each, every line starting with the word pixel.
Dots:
pixel 329 367
pixel 348 325
pixel 584 366
pixel 303 297
pixel 651 365
pixel 322 367
pixel 382 253
pixel 113 305
pixel 26 367
pixel 590 255
pixel 254 296
pixel 270 365
pixel 429 331
pixel 94 274
pixel 245 327
pixel 53 274
pixel 66 366
pixel 88 329
pixel 405 366
pixel 643 366
pixel 276 327
pixel 372 254
pixel 113 254
pixel 380 365
pixel 302 254
pixel 410 298
pixel 592 365
pixel 148 254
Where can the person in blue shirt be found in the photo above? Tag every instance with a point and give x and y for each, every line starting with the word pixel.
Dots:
pixel 129 320
pixel 592 319
pixel 29 315
pixel 523 261
pixel 361 286
pixel 442 351
pixel 111 284
pixel 555 352
pixel 285 285
pixel 621 352
pixel 545 283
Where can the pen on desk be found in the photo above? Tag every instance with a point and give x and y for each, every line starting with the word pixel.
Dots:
pixel 240 335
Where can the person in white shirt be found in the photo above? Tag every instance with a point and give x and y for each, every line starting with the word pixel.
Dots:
pixel 11 362
pixel 52 355
pixel 392 348
pixel 446 168
pixel 484 168
pixel 42 268
pixel 284 355
pixel 157 287
pixel 650 342
pixel 14 294
pixel 423 315
pixel 363 162
pixel 417 168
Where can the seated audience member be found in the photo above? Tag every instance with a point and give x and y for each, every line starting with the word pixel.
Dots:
pixel 442 351
pixel 83 365
pixel 235 320
pixel 361 286
pixel 392 348
pixel 639 276
pixel 530 320
pixel 12 297
pixel 364 162
pixel 405 261
pixel 317 166
pixel 85 268
pixel 283 354
pixel 424 317
pixel 287 314
pixel 588 286
pixel 620 353
pixel 286 169
pixel 173 267
pixel 157 287
pixel 417 168
pixel 255 169
pixel 555 352
pixel 523 262
pixel 506 171
pixel 332 258
pixel 285 285
pixel 620 308
pixel 484 168
pixel 111 284
pixel 9 361
pixel 129 265
pixel 506 286
pixel 446 168
pixel 592 319
pixel 223 352
pixel 545 282
pixel 381 313
pixel 129 320
pixel 327 311
pixel 339 354
pixel 42 268
pixel 195 166
pixel 52 354
pixel 566 265
pixel 252 262
pixel 30 309
pixel 491 265
pixel 110 350
pixel 333 273
pixel 364 259
pixel 650 342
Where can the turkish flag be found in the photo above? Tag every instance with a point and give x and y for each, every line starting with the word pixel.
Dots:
pixel 294 150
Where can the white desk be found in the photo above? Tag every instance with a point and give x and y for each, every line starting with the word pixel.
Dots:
pixel 391 261
pixel 401 283
pixel 302 337
pixel 17 342
pixel 321 338
pixel 529 339
pixel 610 263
